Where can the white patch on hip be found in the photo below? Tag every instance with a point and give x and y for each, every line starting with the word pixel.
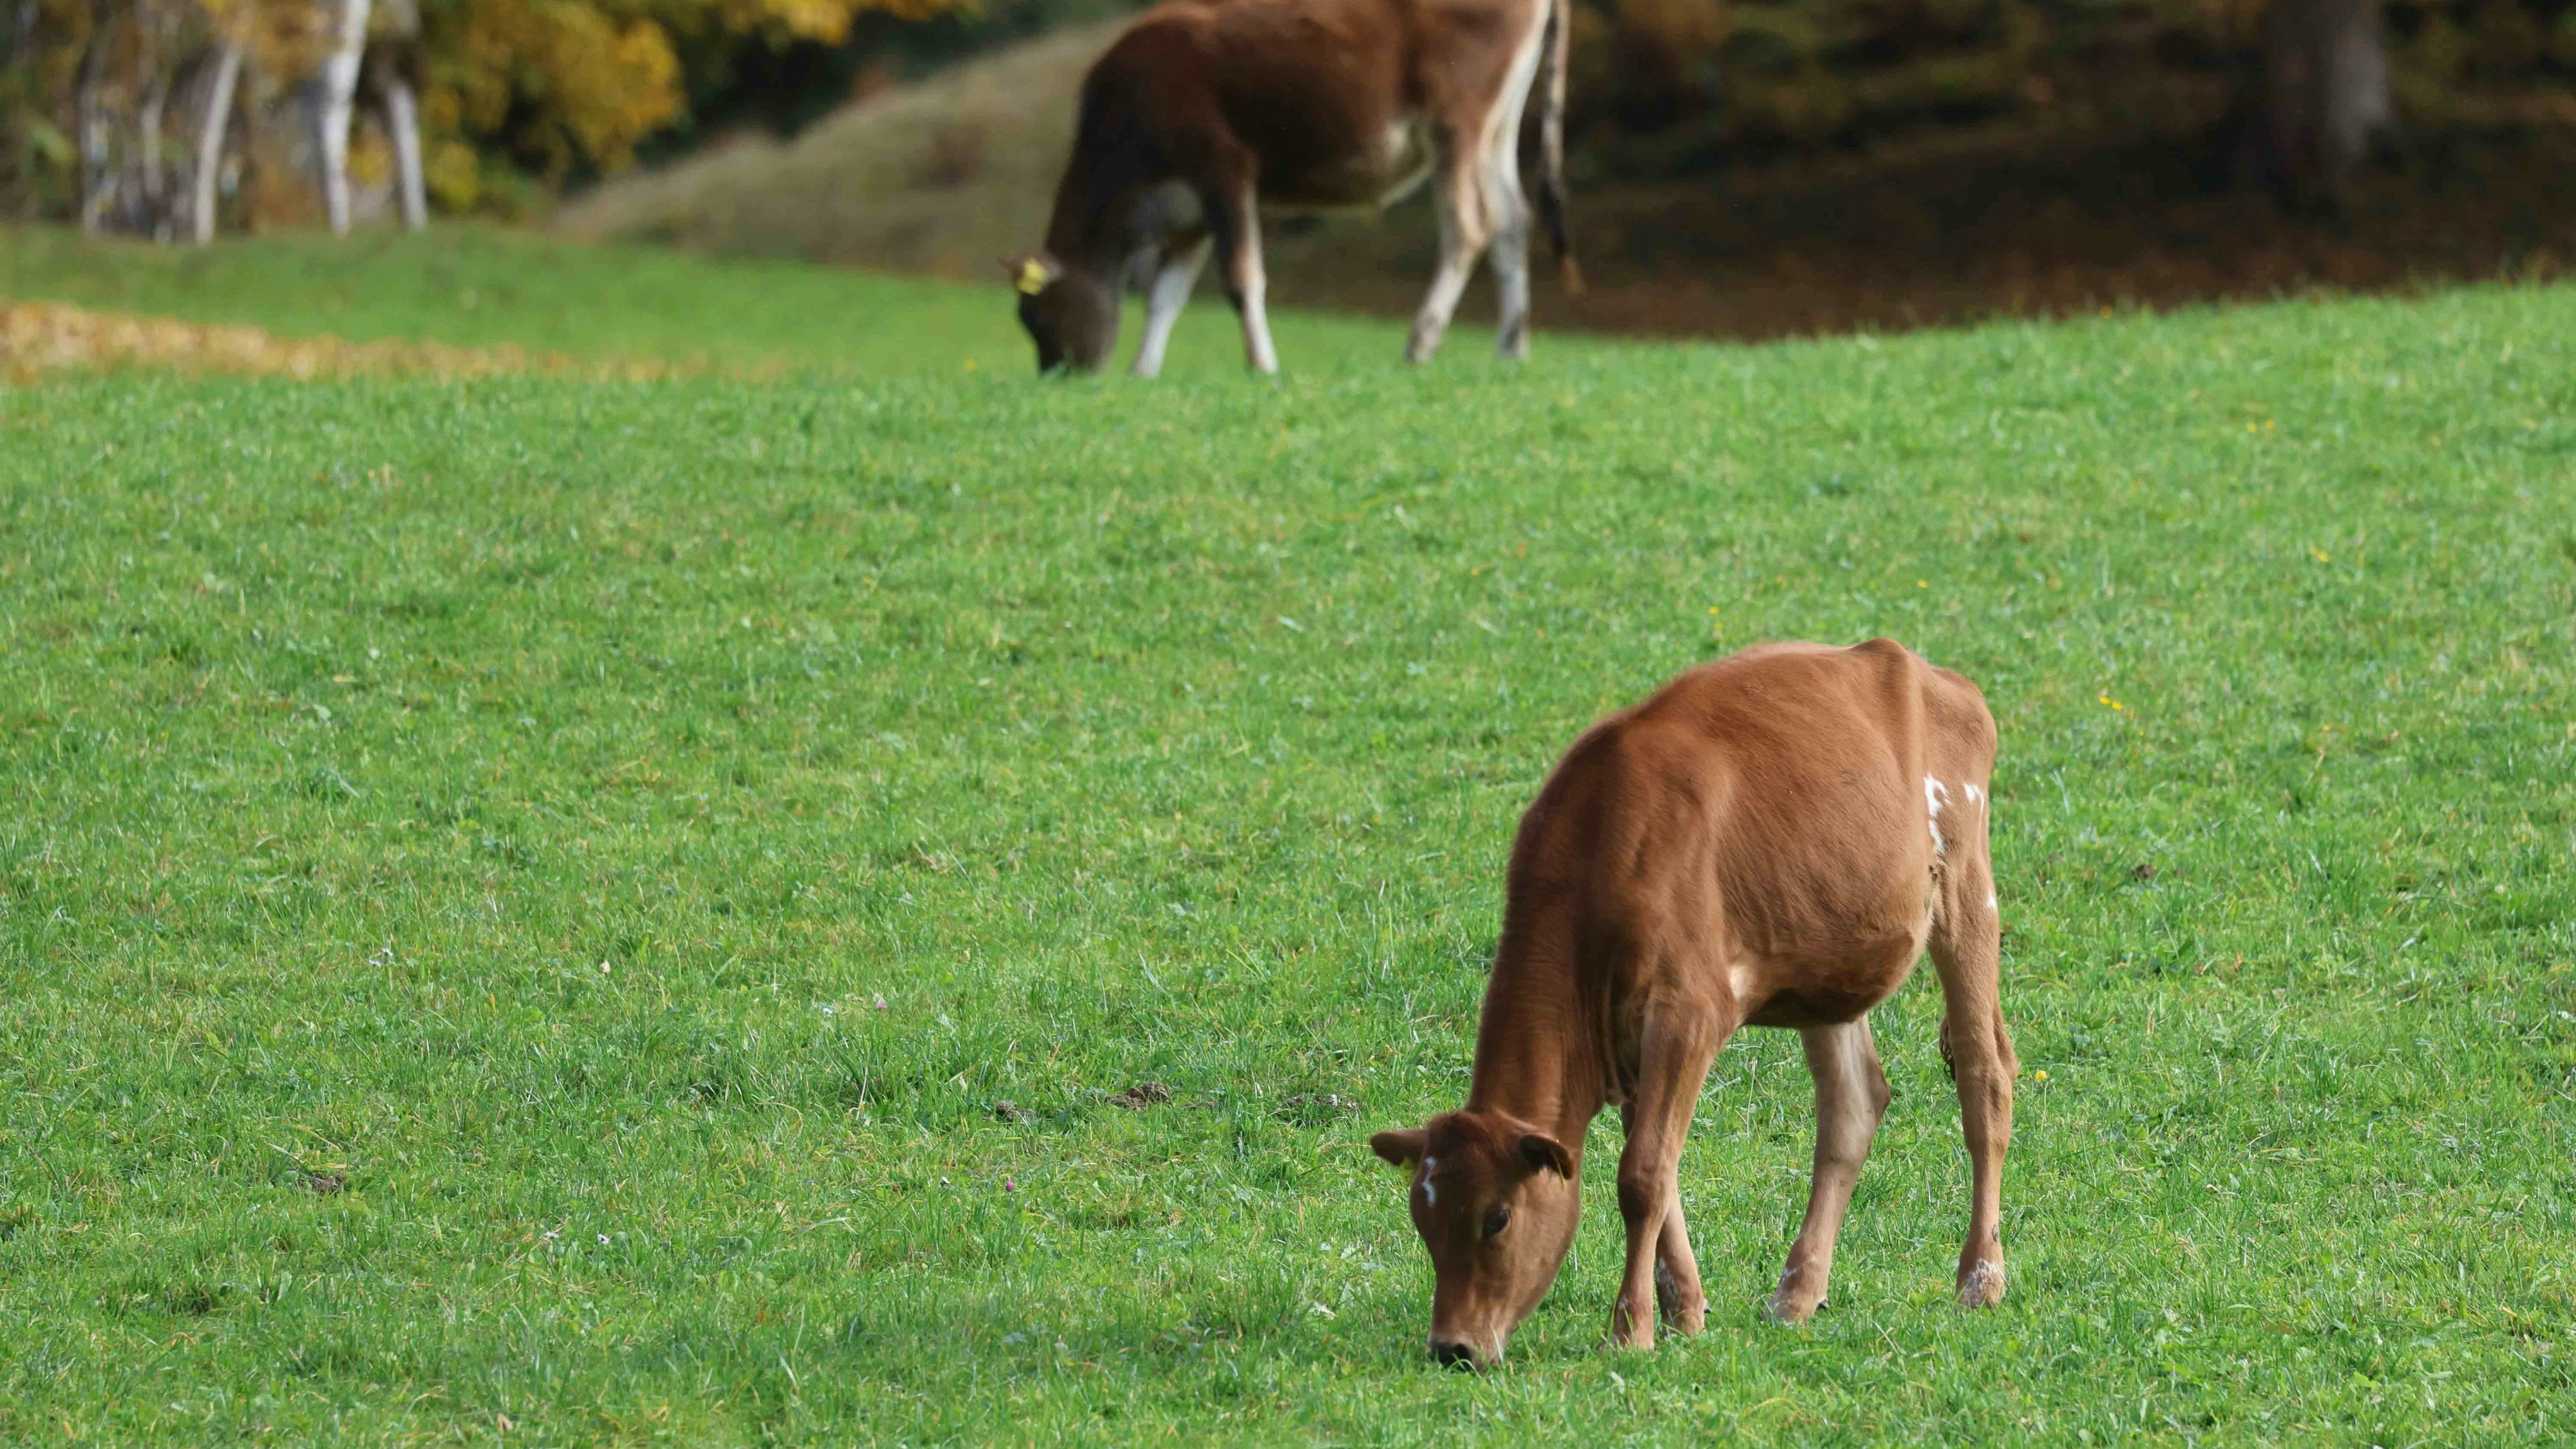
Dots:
pixel 1936 795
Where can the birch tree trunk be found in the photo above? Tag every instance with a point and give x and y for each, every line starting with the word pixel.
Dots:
pixel 402 110
pixel 209 160
pixel 339 84
pixel 402 119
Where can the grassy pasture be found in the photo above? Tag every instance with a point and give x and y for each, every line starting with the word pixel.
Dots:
pixel 520 898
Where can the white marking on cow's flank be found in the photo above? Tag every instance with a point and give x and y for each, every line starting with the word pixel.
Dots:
pixel 1976 796
pixel 1936 795
pixel 1429 1193
pixel 1990 900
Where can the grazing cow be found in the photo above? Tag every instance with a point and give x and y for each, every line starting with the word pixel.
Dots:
pixel 1205 110
pixel 1771 840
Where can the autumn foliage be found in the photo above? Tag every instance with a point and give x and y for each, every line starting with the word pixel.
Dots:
pixel 510 91
pixel 555 87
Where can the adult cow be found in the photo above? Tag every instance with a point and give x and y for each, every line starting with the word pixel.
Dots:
pixel 1771 840
pixel 1205 111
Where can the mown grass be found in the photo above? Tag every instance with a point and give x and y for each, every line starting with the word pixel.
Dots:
pixel 521 898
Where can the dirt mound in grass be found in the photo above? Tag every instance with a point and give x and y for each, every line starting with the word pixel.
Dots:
pixel 949 174
pixel 37 338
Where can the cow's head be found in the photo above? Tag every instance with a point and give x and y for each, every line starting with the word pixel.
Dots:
pixel 1071 315
pixel 1495 1201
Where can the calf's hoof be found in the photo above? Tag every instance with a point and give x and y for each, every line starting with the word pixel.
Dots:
pixel 1682 1308
pixel 1981 1283
pixel 1631 1328
pixel 1796 1299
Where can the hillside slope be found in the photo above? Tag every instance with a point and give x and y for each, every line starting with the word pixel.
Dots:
pixel 919 178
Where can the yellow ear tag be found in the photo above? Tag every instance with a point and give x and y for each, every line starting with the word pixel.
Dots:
pixel 1033 277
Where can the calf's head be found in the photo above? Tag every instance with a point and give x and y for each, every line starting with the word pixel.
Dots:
pixel 1495 1201
pixel 1071 315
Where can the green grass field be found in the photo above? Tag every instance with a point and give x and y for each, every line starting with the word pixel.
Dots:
pixel 519 899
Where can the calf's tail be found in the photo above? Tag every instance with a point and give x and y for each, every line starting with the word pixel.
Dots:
pixel 1551 144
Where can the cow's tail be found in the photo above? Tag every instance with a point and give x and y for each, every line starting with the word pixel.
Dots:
pixel 1551 143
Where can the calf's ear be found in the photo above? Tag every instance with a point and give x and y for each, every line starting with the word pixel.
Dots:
pixel 1400 1149
pixel 1545 1154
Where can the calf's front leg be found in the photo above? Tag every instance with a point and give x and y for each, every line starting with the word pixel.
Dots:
pixel 1680 1303
pixel 1673 1062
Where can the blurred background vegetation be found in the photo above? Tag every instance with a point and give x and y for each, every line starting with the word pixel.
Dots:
pixel 1744 165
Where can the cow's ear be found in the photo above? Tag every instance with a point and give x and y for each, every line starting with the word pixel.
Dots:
pixel 1401 1149
pixel 1032 272
pixel 1545 1154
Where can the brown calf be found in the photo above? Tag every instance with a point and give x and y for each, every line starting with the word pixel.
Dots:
pixel 1771 840
pixel 1204 111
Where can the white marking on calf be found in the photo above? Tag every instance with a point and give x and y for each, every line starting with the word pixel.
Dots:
pixel 1975 795
pixel 1430 1194
pixel 1936 795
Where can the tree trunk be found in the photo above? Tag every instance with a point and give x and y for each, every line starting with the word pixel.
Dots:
pixel 402 120
pixel 2326 96
pixel 339 83
pixel 95 137
pixel 209 160
pixel 150 191
pixel 398 71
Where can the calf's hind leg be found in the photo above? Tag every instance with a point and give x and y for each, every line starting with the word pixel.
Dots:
pixel 1965 948
pixel 1851 1100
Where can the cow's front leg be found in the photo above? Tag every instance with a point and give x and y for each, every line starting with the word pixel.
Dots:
pixel 1851 1100
pixel 1174 274
pixel 1672 1063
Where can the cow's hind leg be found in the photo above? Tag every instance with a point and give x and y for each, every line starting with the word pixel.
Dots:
pixel 1175 273
pixel 1851 1100
pixel 1672 1063
pixel 1965 948
pixel 1458 197
pixel 1679 1301
pixel 1508 253
pixel 1234 217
